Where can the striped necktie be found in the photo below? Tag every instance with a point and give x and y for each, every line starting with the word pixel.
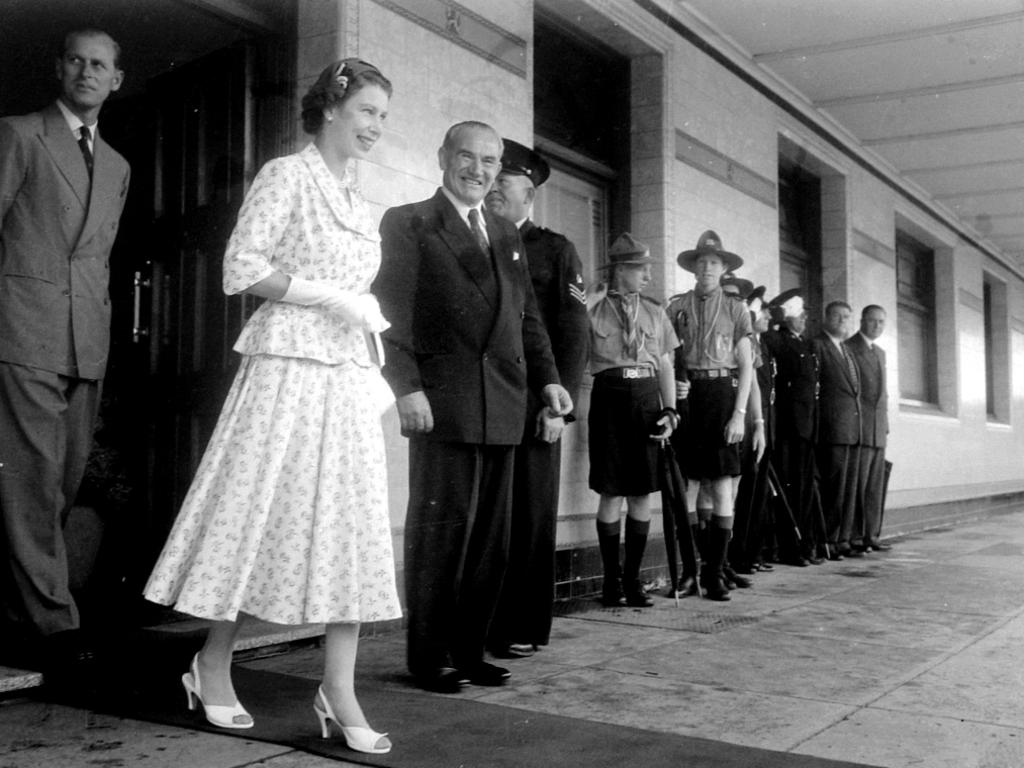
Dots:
pixel 478 231
pixel 83 144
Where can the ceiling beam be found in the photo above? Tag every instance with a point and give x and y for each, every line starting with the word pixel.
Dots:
pixel 972 130
pixel 928 90
pixel 892 37
pixel 238 13
pixel 964 166
pixel 979 193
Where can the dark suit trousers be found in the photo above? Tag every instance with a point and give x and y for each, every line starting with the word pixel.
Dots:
pixel 837 467
pixel 527 596
pixel 870 481
pixel 46 424
pixel 456 549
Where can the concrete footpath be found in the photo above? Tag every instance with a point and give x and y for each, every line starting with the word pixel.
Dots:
pixel 907 658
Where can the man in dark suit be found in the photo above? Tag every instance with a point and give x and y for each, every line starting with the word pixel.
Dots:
pixel 796 401
pixel 874 411
pixel 523 619
pixel 466 341
pixel 838 428
pixel 62 189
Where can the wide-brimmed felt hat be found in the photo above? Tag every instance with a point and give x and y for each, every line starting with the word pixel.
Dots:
pixel 523 161
pixel 627 250
pixel 709 243
pixel 743 286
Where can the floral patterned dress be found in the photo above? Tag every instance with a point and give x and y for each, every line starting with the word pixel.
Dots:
pixel 287 516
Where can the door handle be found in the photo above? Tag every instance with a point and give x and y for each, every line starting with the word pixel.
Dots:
pixel 138 331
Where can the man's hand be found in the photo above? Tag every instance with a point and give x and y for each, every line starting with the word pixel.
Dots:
pixel 557 399
pixel 682 389
pixel 735 429
pixel 759 439
pixel 549 427
pixel 414 413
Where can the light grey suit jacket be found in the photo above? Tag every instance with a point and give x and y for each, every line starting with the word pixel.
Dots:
pixel 55 241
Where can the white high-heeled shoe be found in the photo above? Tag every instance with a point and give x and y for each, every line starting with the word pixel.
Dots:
pixel 358 738
pixel 223 717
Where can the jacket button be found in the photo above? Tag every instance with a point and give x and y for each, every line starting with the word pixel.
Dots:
pixel 522 315
pixel 484 356
pixel 519 359
pixel 66 292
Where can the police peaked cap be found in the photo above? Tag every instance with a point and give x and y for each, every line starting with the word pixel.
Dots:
pixel 524 161
pixel 742 285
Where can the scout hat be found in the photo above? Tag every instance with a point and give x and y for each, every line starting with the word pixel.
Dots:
pixel 709 242
pixel 627 250
pixel 524 161
pixel 739 286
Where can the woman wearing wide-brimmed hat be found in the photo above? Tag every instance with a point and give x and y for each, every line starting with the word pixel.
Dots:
pixel 631 410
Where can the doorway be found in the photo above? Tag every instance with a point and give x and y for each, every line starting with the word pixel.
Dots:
pixel 194 140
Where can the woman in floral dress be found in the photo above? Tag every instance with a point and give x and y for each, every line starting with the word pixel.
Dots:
pixel 287 516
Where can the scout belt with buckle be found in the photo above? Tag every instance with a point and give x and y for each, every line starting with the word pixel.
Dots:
pixel 632 372
pixel 711 373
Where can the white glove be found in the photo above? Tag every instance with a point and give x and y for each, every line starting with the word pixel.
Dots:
pixel 360 311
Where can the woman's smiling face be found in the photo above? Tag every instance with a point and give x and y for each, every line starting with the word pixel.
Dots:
pixel 352 128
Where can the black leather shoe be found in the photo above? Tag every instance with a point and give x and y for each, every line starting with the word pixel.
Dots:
pixel 878 546
pixel 442 680
pixel 611 595
pixel 487 674
pixel 636 597
pixel 835 555
pixel 798 561
pixel 733 580
pixel 686 587
pixel 814 560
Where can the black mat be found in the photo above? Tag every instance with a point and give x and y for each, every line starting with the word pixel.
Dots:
pixel 447 731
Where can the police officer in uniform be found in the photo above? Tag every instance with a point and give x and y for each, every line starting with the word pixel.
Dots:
pixel 796 396
pixel 523 618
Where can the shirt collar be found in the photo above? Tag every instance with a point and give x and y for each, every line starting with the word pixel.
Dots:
pixel 75 122
pixel 867 341
pixel 837 341
pixel 463 209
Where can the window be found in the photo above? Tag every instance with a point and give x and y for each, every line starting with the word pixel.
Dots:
pixel 915 296
pixel 997 350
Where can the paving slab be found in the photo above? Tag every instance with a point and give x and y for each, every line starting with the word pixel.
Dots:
pixel 898 740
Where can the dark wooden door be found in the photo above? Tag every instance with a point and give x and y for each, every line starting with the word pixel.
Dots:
pixel 194 142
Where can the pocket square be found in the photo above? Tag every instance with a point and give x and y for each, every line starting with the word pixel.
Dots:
pixel 515 255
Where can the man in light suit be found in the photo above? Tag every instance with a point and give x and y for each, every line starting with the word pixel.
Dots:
pixel 62 189
pixel 465 343
pixel 838 428
pixel 874 413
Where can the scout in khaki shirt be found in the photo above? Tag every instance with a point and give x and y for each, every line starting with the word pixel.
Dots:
pixel 716 360
pixel 631 360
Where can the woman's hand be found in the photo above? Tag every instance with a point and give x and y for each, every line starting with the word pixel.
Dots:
pixel 549 426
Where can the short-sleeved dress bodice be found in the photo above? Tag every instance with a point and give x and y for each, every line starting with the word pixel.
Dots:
pixel 287 516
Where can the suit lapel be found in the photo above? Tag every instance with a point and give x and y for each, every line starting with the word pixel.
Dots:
pixel 106 186
pixel 460 241
pixel 507 261
pixel 61 144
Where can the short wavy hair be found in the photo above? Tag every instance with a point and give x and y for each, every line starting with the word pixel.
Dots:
pixel 336 84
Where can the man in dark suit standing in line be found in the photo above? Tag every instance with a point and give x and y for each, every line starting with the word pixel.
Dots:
pixel 796 388
pixel 523 619
pixel 838 428
pixel 874 410
pixel 466 341
pixel 62 189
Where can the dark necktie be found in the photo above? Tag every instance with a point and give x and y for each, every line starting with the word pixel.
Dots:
pixel 83 144
pixel 478 231
pixel 629 307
